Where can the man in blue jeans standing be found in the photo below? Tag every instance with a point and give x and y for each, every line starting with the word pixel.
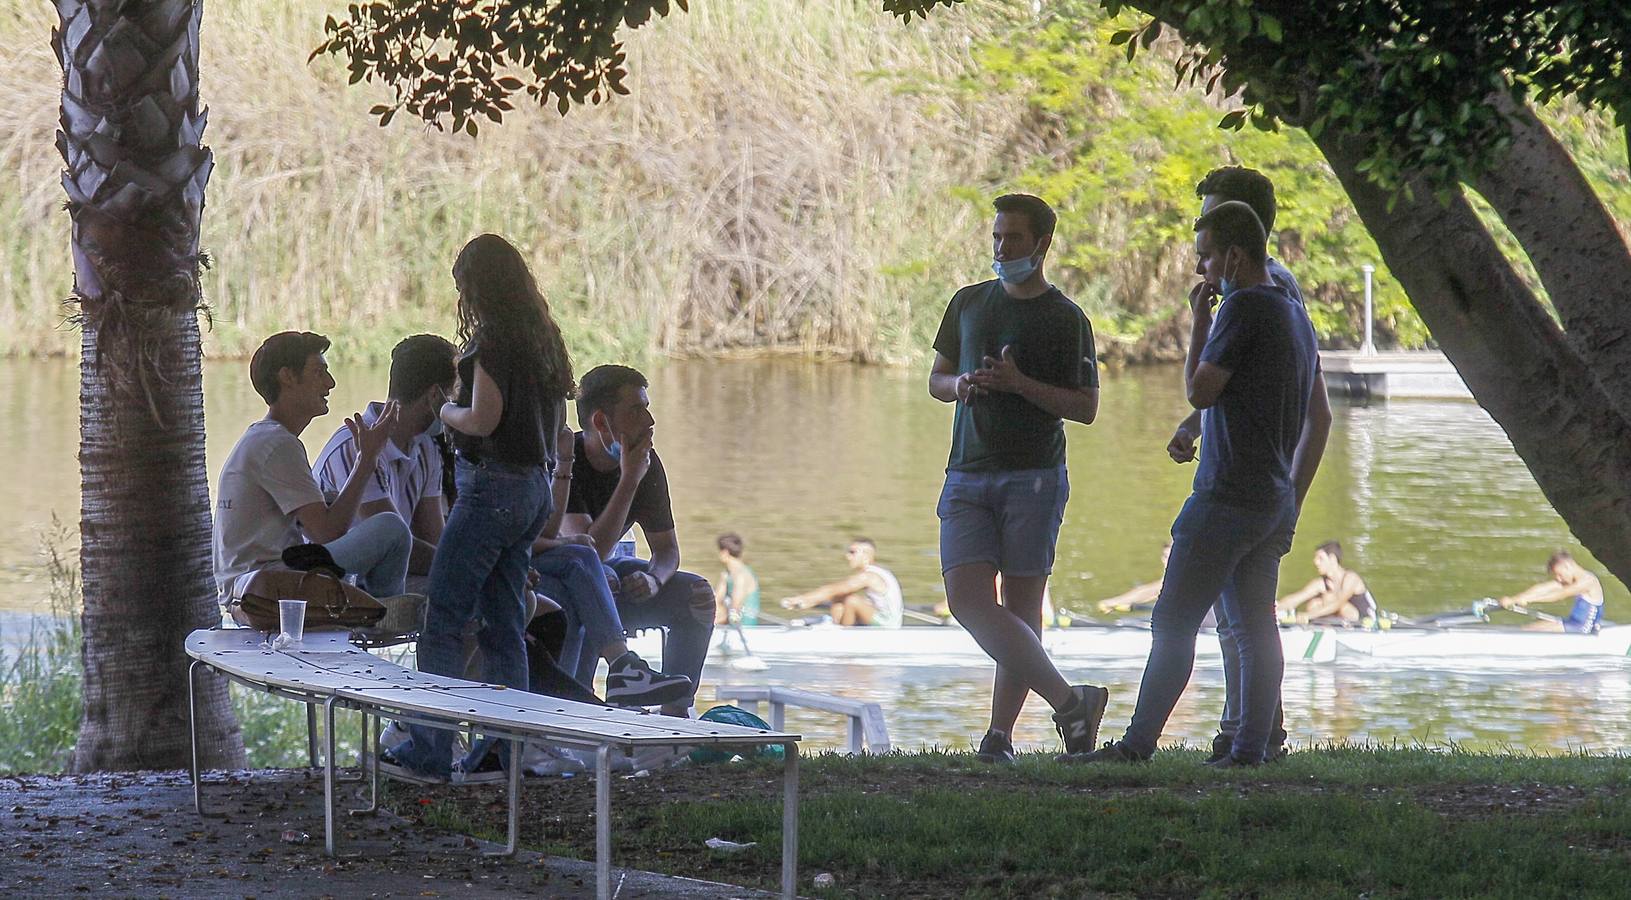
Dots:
pixel 1016 357
pixel 1254 189
pixel 1253 372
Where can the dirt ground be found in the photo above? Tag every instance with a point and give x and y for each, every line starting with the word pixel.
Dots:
pixel 138 836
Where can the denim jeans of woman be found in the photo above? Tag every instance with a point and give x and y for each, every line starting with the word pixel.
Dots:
pixel 480 571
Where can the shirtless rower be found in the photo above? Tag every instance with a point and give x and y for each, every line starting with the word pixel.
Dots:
pixel 1570 581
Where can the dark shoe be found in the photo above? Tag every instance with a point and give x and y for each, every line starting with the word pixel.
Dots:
pixel 632 682
pixel 488 771
pixel 395 768
pixel 1221 745
pixel 995 749
pixel 1079 728
pixel 1230 762
pixel 1276 753
pixel 1111 752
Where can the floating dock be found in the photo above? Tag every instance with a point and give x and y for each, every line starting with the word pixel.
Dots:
pixel 1420 374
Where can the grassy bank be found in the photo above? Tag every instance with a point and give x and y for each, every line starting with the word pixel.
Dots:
pixel 1340 821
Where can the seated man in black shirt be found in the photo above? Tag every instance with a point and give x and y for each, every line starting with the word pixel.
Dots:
pixel 618 482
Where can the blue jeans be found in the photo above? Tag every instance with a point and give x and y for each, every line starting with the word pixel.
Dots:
pixel 480 570
pixel 684 606
pixel 1221 553
pixel 572 576
pixel 376 551
pixel 1229 722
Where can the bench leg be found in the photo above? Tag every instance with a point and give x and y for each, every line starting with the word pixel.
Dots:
pixel 328 775
pixel 192 725
pixel 311 735
pixel 516 752
pixel 603 823
pixel 790 820
pixel 370 726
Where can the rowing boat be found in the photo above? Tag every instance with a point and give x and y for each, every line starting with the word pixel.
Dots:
pixel 1129 645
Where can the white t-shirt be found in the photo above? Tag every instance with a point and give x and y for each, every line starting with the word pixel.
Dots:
pixel 265 479
pixel 402 477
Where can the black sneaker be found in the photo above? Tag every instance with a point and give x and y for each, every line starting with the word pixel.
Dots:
pixel 1111 752
pixel 488 771
pixel 1223 745
pixel 995 749
pixel 390 766
pixel 632 682
pixel 1079 728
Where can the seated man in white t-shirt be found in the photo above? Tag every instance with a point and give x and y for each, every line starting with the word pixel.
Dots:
pixel 267 499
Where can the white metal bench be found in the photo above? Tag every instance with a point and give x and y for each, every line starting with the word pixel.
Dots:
pixel 866 723
pixel 327 671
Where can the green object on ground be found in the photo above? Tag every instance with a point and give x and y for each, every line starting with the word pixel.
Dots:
pixel 733 715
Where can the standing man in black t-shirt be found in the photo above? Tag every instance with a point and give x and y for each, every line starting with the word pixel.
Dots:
pixel 619 482
pixel 1016 356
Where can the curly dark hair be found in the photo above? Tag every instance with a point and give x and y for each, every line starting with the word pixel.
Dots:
pixel 500 305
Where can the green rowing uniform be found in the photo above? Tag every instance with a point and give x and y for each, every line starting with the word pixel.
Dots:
pixel 750 603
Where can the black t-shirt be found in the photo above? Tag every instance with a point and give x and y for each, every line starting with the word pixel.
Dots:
pixel 1262 336
pixel 592 490
pixel 529 420
pixel 1052 342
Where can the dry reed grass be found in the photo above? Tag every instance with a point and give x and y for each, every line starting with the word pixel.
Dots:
pixel 787 175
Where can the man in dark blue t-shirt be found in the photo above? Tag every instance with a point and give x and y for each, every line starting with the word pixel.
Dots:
pixel 1016 357
pixel 1254 189
pixel 1253 372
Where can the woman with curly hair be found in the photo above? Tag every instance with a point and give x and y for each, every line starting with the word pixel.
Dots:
pixel 514 380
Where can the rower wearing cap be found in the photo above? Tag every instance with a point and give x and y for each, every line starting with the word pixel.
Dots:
pixel 1569 580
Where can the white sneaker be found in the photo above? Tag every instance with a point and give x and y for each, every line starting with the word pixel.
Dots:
pixel 618 761
pixel 392 736
pixel 544 761
pixel 665 756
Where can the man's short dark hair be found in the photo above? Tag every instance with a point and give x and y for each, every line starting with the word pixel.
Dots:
pixel 419 362
pixel 1233 224
pixel 731 543
pixel 1035 209
pixel 1332 549
pixel 1249 186
pixel 284 350
pixel 601 387
pixel 1561 556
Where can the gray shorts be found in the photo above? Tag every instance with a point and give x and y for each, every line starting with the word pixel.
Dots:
pixel 1009 520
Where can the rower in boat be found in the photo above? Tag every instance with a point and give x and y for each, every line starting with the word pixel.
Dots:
pixel 1338 596
pixel 869 595
pixel 1142 596
pixel 1569 581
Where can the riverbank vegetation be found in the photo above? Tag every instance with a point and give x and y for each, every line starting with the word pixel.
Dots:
pixel 1338 821
pixel 786 177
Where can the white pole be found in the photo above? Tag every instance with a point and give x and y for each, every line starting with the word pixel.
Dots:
pixel 1368 348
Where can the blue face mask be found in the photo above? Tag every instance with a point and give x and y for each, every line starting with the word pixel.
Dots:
pixel 436 427
pixel 1014 271
pixel 615 448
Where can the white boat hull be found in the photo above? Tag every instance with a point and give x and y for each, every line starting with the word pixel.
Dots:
pixel 1130 646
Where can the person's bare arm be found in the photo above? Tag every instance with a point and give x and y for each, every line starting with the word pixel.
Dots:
pixel 486 408
pixel 1143 595
pixel 1311 443
pixel 829 592
pixel 1310 591
pixel 1182 446
pixel 607 528
pixel 1545 592
pixel 1203 381
pixel 947 386
pixel 323 522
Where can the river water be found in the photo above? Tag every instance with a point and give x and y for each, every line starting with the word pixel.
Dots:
pixel 1429 500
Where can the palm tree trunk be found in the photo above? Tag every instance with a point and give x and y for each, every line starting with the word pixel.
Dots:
pixel 135 176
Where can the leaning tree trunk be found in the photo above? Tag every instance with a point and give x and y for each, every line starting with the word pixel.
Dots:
pixel 135 175
pixel 1540 388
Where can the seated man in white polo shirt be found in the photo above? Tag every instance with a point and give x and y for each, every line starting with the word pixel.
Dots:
pixel 267 499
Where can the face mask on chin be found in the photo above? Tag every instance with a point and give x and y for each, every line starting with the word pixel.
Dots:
pixel 1014 271
pixel 1225 284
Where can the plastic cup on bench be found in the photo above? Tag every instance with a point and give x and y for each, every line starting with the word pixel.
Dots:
pixel 291 616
